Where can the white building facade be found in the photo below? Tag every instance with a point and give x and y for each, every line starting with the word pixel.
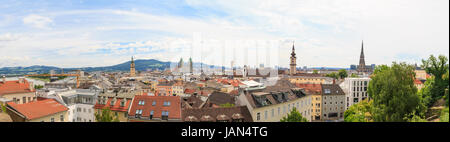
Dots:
pixel 355 90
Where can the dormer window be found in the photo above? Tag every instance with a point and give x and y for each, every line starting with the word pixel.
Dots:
pixel 153 103
pixel 138 113
pixel 122 103
pixel 327 91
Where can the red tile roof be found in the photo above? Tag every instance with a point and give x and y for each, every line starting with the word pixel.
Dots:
pixel 10 87
pixel 232 82
pixel 311 88
pixel 189 91
pixel 116 106
pixel 174 109
pixel 38 109
pixel 417 81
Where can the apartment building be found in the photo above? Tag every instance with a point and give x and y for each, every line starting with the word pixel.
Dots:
pixel 79 101
pixel 155 109
pixel 333 102
pixel 272 103
pixel 118 102
pixel 355 90
pixel 315 92
pixel 46 110
pixel 18 91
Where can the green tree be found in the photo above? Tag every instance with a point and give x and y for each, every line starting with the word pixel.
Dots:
pixel 437 67
pixel 3 108
pixel 227 105
pixel 444 115
pixel 38 86
pixel 359 112
pixel 343 73
pixel 445 77
pixel 333 75
pixel 106 116
pixel 315 72
pixel 353 75
pixel 425 92
pixel 394 94
pixel 294 116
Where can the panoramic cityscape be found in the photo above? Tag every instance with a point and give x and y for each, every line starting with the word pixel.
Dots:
pixel 224 61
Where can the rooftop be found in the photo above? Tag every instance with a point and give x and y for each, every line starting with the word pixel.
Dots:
pixel 10 87
pixel 38 109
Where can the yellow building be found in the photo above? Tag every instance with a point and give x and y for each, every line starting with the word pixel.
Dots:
pixel 315 90
pixel 178 88
pixel 48 110
pixel 316 107
pixel 118 103
pixel 421 74
pixel 310 80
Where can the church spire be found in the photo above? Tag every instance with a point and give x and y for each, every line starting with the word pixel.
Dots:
pixel 362 62
pixel 293 49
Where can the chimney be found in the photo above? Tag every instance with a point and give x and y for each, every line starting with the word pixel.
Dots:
pixel 334 81
pixel 21 80
pixel 31 86
pixel 4 79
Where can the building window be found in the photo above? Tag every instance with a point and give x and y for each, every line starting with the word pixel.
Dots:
pixel 265 115
pixel 62 118
pixel 278 111
pixel 153 103
pixel 258 117
pixel 138 113
pixel 52 119
pixel 165 115
pixel 273 113
pixel 166 103
pixel 151 114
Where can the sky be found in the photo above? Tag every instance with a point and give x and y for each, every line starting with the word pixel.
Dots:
pixel 329 33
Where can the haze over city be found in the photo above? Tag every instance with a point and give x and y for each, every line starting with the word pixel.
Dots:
pixel 78 33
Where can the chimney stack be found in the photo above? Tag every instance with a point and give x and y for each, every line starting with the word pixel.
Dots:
pixel 21 80
pixel 31 86
pixel 4 79
pixel 334 81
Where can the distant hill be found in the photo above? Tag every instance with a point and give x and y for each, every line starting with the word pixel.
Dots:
pixel 141 65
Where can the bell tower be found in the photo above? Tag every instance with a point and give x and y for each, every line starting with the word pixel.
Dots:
pixel 293 69
pixel 132 68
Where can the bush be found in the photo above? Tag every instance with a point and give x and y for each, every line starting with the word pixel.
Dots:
pixel 444 115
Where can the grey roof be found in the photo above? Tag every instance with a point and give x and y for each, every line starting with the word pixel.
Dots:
pixel 282 91
pixel 120 94
pixel 219 98
pixel 334 89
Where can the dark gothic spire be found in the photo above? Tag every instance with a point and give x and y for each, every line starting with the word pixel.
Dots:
pixel 293 50
pixel 362 63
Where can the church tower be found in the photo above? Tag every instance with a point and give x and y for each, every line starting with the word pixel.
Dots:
pixel 293 69
pixel 362 62
pixel 132 68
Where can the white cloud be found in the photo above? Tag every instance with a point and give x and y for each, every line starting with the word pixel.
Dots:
pixel 8 37
pixel 37 21
pixel 327 33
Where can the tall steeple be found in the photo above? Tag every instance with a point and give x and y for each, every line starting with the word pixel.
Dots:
pixel 362 63
pixel 132 68
pixel 293 65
